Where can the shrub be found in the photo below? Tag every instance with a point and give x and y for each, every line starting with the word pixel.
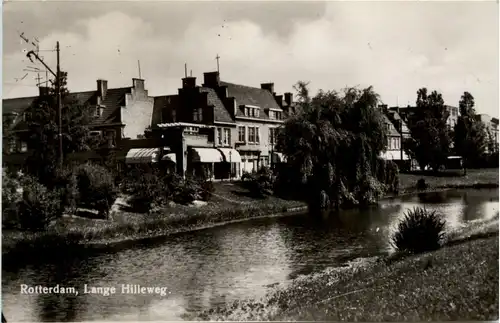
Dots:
pixel 95 186
pixel 419 231
pixel 11 194
pixel 421 184
pixel 206 190
pixel 185 191
pixel 66 182
pixel 260 183
pixel 148 191
pixel 39 205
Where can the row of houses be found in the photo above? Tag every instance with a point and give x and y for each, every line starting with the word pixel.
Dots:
pixel 217 128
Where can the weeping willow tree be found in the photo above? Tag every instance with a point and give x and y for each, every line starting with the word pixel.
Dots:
pixel 333 146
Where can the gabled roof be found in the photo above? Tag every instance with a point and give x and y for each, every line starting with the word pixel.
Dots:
pixel 246 95
pixel 392 129
pixel 114 100
pixel 220 112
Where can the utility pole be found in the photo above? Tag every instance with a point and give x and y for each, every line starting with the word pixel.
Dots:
pixel 58 84
pixel 59 106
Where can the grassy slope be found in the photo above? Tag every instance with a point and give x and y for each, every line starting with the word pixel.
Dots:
pixel 459 282
pixel 450 180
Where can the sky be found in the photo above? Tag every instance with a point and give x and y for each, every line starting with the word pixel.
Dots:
pixel 397 47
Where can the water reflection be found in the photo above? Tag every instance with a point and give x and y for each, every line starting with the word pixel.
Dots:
pixel 208 268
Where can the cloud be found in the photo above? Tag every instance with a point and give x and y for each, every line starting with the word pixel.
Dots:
pixel 397 47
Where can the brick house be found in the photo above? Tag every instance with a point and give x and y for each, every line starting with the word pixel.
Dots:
pixel 257 112
pixel 239 122
pixel 119 115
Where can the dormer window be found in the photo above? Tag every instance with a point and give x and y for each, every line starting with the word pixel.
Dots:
pixel 252 111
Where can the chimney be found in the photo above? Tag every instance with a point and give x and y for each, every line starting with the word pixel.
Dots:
pixel 268 86
pixel 138 84
pixel 211 79
pixel 43 91
pixel 288 98
pixel 279 100
pixel 102 88
pixel 189 82
pixel 222 92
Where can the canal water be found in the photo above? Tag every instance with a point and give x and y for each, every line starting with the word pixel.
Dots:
pixel 212 267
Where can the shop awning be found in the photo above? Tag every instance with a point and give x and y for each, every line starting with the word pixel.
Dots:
pixel 278 157
pixel 142 156
pixel 231 155
pixel 170 157
pixel 207 155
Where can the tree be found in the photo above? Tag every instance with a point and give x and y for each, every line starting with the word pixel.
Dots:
pixel 332 146
pixel 43 125
pixel 470 133
pixel 430 137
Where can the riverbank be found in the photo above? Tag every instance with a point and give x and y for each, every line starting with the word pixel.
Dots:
pixel 229 203
pixel 475 178
pixel 457 282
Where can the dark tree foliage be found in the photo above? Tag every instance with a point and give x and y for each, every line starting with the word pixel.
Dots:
pixel 332 147
pixel 43 125
pixel 470 137
pixel 430 135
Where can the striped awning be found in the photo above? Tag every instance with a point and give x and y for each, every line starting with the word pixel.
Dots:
pixel 231 155
pixel 142 156
pixel 207 155
pixel 170 157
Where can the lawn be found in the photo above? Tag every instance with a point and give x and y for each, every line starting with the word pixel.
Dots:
pixel 458 282
pixel 451 179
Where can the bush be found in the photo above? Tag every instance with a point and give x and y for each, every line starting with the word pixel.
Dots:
pixel 206 190
pixel 185 191
pixel 96 187
pixel 148 191
pixel 38 207
pixel 260 183
pixel 11 195
pixel 419 231
pixel 421 184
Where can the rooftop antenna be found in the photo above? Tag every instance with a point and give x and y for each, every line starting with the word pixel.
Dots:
pixel 217 58
pixel 139 66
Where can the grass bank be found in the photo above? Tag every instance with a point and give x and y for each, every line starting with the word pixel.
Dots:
pixel 457 282
pixel 229 204
pixel 475 178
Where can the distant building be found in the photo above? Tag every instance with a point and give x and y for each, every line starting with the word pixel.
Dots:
pixel 406 112
pixel 491 125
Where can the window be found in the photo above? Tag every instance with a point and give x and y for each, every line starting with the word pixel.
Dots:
pixel 191 130
pixel 255 112
pixel 24 146
pixel 97 111
pixel 257 135
pixel 197 114
pixel 251 134
pixel 241 134
pixel 389 140
pixel 219 136
pixel 247 111
pixel 273 135
pixel 272 115
pixel 12 145
pixel 227 136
